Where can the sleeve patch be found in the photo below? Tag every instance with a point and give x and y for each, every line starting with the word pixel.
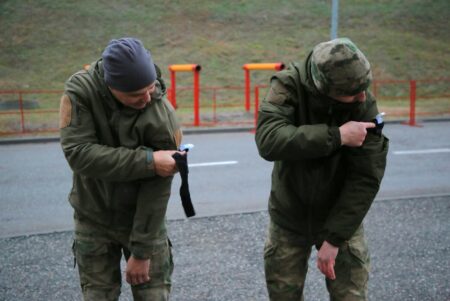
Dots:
pixel 65 112
pixel 277 94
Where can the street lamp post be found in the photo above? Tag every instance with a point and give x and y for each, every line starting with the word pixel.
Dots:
pixel 334 18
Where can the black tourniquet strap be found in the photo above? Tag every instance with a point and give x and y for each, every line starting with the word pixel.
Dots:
pixel 181 161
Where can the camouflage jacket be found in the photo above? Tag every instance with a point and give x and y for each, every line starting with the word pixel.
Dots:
pixel 320 189
pixel 110 148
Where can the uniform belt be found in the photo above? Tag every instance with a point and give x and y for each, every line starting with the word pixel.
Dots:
pixel 181 161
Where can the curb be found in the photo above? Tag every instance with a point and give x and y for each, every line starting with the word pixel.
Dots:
pixel 188 131
pixel 28 140
pixel 192 131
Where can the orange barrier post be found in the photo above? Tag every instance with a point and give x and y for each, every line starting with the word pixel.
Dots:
pixel 256 105
pixel 186 68
pixel 412 104
pixel 256 66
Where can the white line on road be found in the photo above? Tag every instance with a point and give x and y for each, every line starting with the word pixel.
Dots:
pixel 423 151
pixel 213 163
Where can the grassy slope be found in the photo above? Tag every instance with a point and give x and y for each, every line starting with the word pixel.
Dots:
pixel 43 42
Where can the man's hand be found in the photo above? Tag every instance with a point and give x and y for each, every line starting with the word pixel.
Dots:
pixel 164 163
pixel 326 258
pixel 137 271
pixel 354 133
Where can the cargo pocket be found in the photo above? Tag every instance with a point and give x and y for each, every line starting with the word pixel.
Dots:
pixel 74 256
pixel 360 265
pixel 170 265
pixel 161 267
pixel 91 257
pixel 271 262
pixel 160 263
pixel 269 249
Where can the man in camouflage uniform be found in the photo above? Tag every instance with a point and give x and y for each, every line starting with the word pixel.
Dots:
pixel 118 134
pixel 316 125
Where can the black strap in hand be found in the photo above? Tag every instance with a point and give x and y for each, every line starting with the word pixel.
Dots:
pixel 182 165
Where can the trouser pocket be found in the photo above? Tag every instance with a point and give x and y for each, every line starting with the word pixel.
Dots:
pixel 161 264
pixel 285 264
pixel 352 270
pixel 161 269
pixel 91 256
pixel 360 266
pixel 98 266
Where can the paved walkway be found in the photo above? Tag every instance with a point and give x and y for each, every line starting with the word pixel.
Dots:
pixel 220 258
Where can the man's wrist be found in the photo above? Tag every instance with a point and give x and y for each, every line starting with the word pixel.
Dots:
pixel 330 244
pixel 342 136
pixel 139 257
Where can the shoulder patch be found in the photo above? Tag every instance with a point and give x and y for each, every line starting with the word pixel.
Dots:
pixel 65 112
pixel 277 94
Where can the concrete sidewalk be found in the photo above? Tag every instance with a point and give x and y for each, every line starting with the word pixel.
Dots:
pixel 220 258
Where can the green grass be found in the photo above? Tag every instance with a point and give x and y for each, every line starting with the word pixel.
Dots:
pixel 43 42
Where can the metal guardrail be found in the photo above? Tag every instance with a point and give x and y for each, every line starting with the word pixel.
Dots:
pixel 218 106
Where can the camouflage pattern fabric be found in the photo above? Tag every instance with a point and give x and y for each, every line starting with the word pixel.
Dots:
pixel 339 68
pixel 286 256
pixel 98 252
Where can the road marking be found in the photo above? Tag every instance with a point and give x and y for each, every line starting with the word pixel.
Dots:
pixel 213 163
pixel 423 151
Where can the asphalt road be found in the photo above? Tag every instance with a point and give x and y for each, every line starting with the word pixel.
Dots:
pixel 218 255
pixel 226 176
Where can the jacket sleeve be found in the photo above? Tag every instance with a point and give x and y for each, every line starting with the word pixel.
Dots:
pixel 279 138
pixel 86 156
pixel 148 234
pixel 365 170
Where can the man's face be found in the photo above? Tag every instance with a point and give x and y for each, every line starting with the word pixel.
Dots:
pixel 137 99
pixel 360 97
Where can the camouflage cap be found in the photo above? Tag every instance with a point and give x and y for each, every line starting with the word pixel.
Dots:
pixel 339 68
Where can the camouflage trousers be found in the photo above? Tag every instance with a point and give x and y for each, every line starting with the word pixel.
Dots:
pixel 98 253
pixel 286 256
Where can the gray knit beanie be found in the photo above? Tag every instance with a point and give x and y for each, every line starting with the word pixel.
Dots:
pixel 127 65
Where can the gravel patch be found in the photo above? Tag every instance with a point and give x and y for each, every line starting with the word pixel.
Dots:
pixel 220 258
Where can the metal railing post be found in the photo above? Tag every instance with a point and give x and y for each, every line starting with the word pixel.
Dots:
pixel 256 104
pixel 173 96
pixel 196 98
